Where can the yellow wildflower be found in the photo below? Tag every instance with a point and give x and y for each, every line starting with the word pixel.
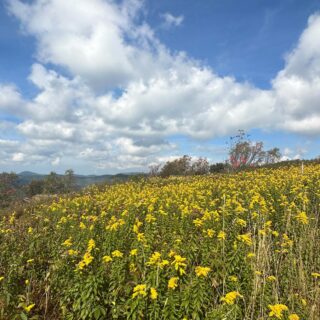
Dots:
pixel 141 237
pixel 117 254
pixel 302 218
pixel 210 233
pixel 29 307
pixel 315 274
pixel 72 252
pixel 171 253
pixel 202 271
pixel 133 252
pixel 276 310
pixel 173 283
pixel 179 264
pixel 82 225
pixel 150 218
pixel 91 245
pixel 163 263
pixel 68 242
pixel 241 222
pixel 304 302
pixel 153 294
pixel 230 297
pixel 271 278
pixel 294 316
pixel 233 278
pixel 140 289
pixel 221 235
pixel 86 260
pixel 245 238
pixel 198 222
pixel 106 259
pixel 155 259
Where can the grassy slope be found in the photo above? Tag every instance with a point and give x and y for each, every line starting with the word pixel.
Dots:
pixel 257 232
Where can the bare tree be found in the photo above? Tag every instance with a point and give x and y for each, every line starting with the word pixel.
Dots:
pixel 177 167
pixel 200 166
pixel 154 170
pixel 244 153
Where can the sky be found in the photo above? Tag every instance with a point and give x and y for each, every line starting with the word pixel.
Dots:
pixel 106 86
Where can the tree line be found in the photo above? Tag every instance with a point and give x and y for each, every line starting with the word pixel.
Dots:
pixel 242 153
pixel 11 190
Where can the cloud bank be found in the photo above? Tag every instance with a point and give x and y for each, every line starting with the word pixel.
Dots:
pixel 111 94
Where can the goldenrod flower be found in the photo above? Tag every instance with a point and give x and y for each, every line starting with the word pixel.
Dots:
pixel 171 253
pixel 29 307
pixel 140 289
pixel 133 252
pixel 304 302
pixel 72 252
pixel 106 259
pixel 222 235
pixel 233 278
pixel 231 297
pixel 210 233
pixel 150 218
pixel 198 222
pixel 117 254
pixel 302 217
pixel 163 263
pixel 271 278
pixel 202 271
pixel 91 245
pixel 241 222
pixel 154 259
pixel 315 274
pixel 173 283
pixel 68 242
pixel 245 238
pixel 179 264
pixel 251 255
pixel 153 294
pixel 86 260
pixel 141 237
pixel 276 310
pixel 82 225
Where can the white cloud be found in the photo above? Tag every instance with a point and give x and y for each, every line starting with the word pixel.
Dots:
pixel 10 100
pixel 172 21
pixel 55 161
pixel 18 157
pixel 297 86
pixel 103 47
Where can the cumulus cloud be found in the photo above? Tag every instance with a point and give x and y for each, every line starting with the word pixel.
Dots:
pixel 172 21
pixel 123 94
pixel 297 86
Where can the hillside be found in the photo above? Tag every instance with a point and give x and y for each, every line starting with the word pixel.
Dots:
pixel 81 181
pixel 232 246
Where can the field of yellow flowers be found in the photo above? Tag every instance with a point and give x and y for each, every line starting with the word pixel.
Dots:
pixel 232 246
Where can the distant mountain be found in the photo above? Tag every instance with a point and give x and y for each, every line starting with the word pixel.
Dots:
pixel 26 177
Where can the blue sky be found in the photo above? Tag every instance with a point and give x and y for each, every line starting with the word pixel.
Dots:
pixel 111 86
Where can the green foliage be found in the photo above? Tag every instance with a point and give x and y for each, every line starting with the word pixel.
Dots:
pixel 193 247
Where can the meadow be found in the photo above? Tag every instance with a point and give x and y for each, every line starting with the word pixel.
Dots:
pixel 228 246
